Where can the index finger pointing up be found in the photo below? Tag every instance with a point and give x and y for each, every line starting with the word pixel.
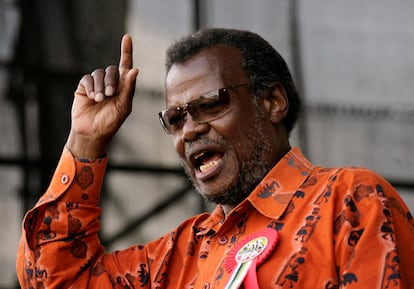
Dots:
pixel 125 63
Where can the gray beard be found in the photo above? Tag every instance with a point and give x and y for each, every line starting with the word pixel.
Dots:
pixel 252 171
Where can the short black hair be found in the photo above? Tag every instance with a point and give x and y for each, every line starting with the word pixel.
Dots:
pixel 261 62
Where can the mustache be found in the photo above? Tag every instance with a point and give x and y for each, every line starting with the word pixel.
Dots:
pixel 220 142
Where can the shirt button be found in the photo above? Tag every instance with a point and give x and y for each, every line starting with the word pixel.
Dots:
pixel 206 285
pixel 64 179
pixel 222 240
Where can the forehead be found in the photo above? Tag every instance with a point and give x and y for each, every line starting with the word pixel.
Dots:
pixel 209 69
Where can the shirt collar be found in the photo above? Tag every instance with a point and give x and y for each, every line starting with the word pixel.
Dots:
pixel 273 194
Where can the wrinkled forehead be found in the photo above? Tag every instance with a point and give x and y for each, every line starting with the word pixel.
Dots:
pixel 209 69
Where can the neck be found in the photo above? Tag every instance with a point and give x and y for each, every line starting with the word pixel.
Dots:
pixel 284 148
pixel 227 209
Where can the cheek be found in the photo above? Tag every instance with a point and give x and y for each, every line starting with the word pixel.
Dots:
pixel 252 138
pixel 241 135
pixel 178 145
pixel 244 144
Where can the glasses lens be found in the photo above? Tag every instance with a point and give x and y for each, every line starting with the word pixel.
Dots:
pixel 208 108
pixel 172 119
pixel 204 109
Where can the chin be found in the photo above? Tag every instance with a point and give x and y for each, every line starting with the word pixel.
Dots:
pixel 223 195
pixel 223 190
pixel 210 193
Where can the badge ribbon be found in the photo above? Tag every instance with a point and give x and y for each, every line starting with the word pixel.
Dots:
pixel 242 261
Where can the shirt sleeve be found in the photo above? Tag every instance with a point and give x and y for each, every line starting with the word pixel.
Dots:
pixel 374 234
pixel 59 239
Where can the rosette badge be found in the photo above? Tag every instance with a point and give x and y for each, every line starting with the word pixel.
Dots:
pixel 242 261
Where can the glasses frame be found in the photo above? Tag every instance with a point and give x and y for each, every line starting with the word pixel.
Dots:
pixel 194 104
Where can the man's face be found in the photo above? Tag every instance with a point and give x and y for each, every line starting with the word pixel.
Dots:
pixel 226 157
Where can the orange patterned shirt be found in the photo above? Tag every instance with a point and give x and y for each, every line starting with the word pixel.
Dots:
pixel 338 228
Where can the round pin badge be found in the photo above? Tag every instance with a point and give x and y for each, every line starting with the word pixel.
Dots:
pixel 242 261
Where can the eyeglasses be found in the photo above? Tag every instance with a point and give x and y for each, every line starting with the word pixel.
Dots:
pixel 207 107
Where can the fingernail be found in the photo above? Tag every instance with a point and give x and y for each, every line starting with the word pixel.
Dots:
pixel 109 90
pixel 99 97
pixel 91 95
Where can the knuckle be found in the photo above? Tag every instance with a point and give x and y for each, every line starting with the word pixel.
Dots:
pixel 97 72
pixel 111 68
pixel 86 80
pixel 85 77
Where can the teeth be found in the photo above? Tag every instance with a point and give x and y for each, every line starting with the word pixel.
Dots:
pixel 199 155
pixel 207 166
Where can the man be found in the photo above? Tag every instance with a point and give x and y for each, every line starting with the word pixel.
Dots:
pixel 280 222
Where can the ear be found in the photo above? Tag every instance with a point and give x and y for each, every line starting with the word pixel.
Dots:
pixel 276 103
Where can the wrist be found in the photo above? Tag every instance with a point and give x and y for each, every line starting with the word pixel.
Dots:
pixel 84 147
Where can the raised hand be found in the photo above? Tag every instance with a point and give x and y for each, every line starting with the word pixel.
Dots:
pixel 102 102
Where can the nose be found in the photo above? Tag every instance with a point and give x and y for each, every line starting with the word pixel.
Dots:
pixel 192 129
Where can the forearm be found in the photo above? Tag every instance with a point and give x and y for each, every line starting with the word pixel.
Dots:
pixel 60 234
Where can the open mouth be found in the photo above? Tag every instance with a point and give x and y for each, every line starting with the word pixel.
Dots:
pixel 207 163
pixel 206 160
